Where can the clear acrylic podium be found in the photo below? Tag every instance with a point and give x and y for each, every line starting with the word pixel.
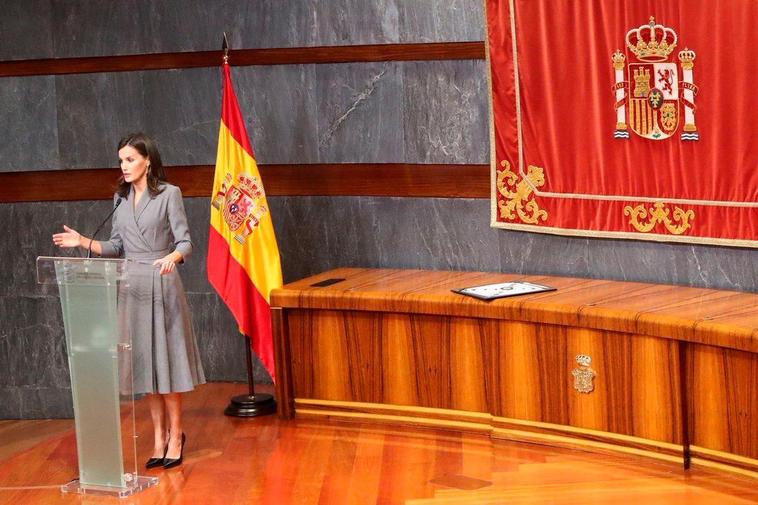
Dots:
pixel 93 299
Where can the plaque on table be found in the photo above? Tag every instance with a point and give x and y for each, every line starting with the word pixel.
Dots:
pixel 502 290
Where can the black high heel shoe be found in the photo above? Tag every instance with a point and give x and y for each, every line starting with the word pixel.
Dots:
pixel 155 462
pixel 171 463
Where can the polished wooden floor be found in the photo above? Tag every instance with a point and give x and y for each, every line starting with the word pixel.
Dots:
pixel 266 460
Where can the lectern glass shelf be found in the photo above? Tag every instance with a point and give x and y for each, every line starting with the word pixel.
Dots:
pixel 94 299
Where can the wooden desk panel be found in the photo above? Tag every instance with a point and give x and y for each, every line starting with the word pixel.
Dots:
pixel 723 397
pixel 674 365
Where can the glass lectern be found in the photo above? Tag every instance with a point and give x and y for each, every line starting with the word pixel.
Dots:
pixel 93 299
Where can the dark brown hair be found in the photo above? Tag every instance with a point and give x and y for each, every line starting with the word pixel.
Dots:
pixel 155 174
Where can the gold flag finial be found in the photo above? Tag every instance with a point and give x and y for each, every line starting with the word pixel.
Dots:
pixel 225 48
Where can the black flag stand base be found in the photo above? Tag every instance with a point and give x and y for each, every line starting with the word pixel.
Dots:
pixel 252 404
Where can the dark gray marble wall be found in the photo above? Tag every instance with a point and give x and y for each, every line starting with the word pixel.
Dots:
pixel 320 233
pixel 28 124
pixel 415 112
pixel 75 28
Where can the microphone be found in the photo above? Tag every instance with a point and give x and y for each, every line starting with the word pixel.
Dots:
pixel 89 249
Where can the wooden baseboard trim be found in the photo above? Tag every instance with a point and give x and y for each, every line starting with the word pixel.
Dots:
pixel 429 412
pixel 572 442
pixel 395 419
pixel 495 427
pixel 718 459
pixel 586 434
pixel 706 463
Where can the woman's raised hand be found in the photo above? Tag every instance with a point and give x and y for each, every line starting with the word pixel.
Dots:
pixel 69 238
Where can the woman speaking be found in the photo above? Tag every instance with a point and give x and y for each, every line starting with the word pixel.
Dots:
pixel 150 229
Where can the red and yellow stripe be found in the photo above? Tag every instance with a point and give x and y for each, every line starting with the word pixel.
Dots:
pixel 243 273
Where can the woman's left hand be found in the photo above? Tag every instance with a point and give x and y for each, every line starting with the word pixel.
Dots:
pixel 166 264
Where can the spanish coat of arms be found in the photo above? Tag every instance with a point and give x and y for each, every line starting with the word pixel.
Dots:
pixel 655 91
pixel 241 204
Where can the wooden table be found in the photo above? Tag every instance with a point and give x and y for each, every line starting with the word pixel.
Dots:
pixel 673 371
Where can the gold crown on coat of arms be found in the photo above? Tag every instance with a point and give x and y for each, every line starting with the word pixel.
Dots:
pixel 651 42
pixel 250 185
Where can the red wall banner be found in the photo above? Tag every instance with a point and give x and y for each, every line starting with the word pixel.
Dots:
pixel 629 119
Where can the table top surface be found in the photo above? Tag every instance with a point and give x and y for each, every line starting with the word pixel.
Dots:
pixel 718 317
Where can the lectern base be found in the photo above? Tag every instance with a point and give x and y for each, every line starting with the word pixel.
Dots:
pixel 259 404
pixel 138 483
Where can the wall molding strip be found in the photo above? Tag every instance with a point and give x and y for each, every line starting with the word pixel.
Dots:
pixel 321 179
pixel 246 57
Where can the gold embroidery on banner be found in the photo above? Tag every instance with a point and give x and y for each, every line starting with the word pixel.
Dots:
pixel 644 220
pixel 519 199
pixel 618 59
pixel 654 90
pixel 651 42
pixel 668 116
pixel 641 82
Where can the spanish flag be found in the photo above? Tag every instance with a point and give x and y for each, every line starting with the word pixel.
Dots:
pixel 243 258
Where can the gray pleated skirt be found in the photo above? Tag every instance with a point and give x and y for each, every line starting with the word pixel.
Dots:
pixel 155 314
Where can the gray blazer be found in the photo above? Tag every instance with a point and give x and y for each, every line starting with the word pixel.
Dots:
pixel 155 228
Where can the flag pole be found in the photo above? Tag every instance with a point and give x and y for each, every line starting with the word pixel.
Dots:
pixel 251 404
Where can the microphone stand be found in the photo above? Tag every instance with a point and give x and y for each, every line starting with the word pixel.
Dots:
pixel 89 249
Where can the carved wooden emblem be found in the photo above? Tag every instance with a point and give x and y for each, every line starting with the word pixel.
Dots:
pixel 584 376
